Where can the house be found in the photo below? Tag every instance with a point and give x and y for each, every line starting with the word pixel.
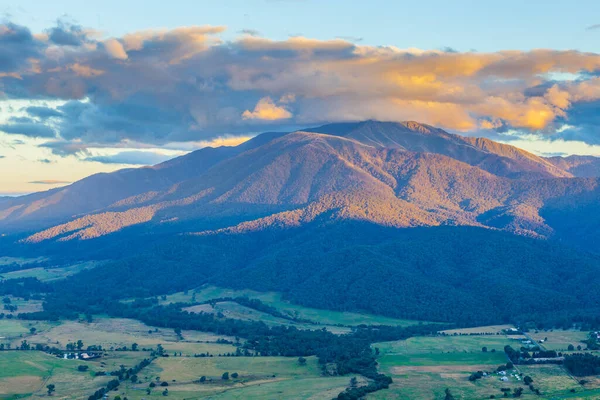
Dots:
pixel 502 373
pixel 504 379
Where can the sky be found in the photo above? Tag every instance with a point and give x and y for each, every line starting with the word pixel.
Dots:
pixel 87 89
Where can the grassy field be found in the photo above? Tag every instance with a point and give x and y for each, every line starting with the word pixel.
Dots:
pixel 119 332
pixel 16 330
pixel 28 373
pixel 325 317
pixel 19 260
pixel 560 339
pixel 50 274
pixel 259 378
pixel 423 367
pixel 234 310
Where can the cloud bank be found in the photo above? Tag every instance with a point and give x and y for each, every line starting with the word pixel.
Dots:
pixel 187 85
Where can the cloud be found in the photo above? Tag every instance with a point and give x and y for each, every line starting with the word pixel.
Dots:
pixel 266 110
pixel 43 112
pixel 249 32
pixel 66 34
pixel 49 182
pixel 17 46
pixel 131 158
pixel 186 85
pixel 593 27
pixel 30 129
pixel 115 49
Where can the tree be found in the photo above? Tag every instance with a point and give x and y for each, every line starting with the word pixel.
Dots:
pixel 202 379
pixel 234 375
pixel 82 368
pixel 527 380
pixel 164 383
pixel 134 347
pixel 448 395
pixel 571 347
pixel 353 382
pixel 165 392
pixel 79 344
pixel 484 349
pixel 225 376
pixel 6 300
pixel 301 360
pixel 32 330
pixel 134 378
pixel 51 388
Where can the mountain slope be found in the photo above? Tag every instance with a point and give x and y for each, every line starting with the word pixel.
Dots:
pixel 302 177
pixel 122 187
pixel 580 166
pixel 497 158
pixel 399 175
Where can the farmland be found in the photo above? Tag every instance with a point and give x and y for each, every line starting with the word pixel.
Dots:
pixel 193 362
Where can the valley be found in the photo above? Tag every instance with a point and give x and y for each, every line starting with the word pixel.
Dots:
pixel 192 363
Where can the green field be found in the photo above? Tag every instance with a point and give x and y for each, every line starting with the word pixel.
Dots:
pixel 118 332
pixel 28 373
pixel 49 274
pixel 423 367
pixel 234 310
pixel 259 378
pixel 324 317
pixel 559 339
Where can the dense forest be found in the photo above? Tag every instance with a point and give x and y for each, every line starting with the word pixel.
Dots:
pixel 468 276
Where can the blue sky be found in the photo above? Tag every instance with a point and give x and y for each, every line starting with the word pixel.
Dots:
pixel 93 88
pixel 463 25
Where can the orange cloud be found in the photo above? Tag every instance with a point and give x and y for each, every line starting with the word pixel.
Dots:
pixel 266 110
pixel 115 49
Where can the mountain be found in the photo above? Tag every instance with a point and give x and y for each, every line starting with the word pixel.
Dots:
pixel 99 191
pixel 497 158
pixel 580 166
pixel 392 174
pixel 402 219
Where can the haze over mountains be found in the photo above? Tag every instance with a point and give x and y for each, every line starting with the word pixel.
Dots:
pixel 391 174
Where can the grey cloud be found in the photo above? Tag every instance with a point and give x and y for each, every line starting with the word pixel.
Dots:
pixel 353 39
pixel 593 27
pixel 28 129
pixel 49 182
pixel 17 45
pixel 66 34
pixel 131 158
pixel 43 112
pixel 250 32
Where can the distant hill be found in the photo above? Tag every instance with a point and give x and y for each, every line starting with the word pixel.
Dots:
pixel 581 166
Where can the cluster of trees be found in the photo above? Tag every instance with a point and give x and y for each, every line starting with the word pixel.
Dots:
pixel 523 356
pixel 121 375
pixel 582 364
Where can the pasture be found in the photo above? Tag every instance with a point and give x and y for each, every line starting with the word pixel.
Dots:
pixel 323 317
pixel 49 274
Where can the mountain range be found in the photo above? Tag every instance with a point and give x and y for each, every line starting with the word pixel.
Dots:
pixel 393 174
pixel 400 219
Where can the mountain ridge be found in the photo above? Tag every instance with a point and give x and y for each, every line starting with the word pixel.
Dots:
pixel 347 172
